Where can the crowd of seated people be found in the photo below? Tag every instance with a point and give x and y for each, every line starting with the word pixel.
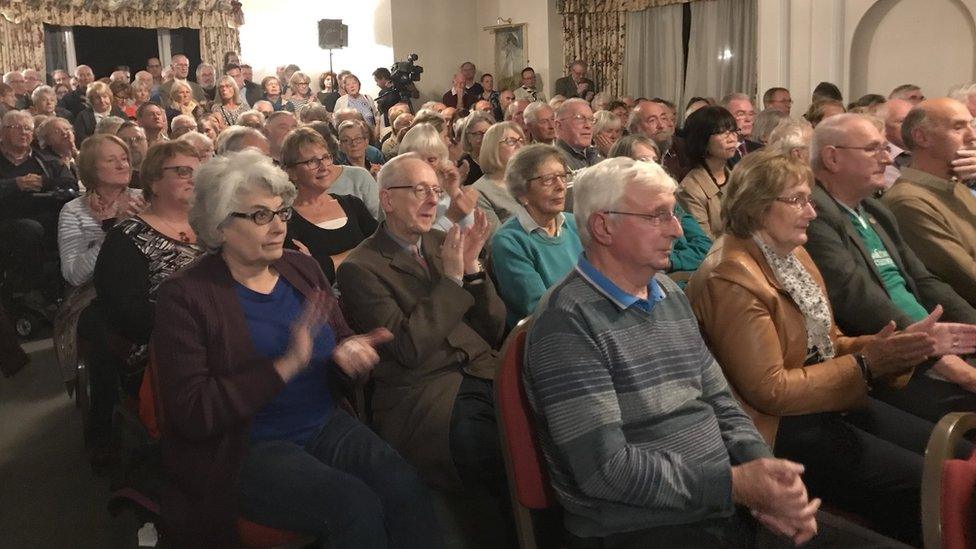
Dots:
pixel 243 232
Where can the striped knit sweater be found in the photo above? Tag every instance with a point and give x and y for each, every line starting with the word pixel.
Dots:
pixel 636 421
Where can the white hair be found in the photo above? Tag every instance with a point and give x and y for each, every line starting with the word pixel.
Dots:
pixel 831 131
pixel 425 140
pixel 221 183
pixel 962 92
pixel 530 112
pixel 41 90
pixel 790 134
pixel 232 139
pixel 196 139
pixel 599 188
pixel 567 105
pixel 392 173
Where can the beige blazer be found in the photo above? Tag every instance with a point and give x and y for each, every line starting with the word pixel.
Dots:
pixel 702 198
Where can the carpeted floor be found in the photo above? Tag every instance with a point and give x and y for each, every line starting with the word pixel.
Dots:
pixel 49 497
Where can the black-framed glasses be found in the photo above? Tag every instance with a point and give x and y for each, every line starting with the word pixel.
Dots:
pixel 549 179
pixel 876 150
pixel 798 202
pixel 654 219
pixel 421 191
pixel 183 172
pixel 314 163
pixel 264 216
pixel 353 141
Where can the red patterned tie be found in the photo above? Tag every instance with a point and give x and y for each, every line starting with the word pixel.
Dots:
pixel 419 258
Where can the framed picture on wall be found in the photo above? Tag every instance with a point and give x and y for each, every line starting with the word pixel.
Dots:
pixel 511 55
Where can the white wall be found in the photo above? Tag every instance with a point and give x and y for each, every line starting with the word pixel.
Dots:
pixel 444 33
pixel 865 46
pixel 279 32
pixel 544 36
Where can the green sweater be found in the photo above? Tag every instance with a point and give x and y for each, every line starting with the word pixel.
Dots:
pixel 527 264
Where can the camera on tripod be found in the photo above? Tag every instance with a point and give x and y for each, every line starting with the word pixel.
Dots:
pixel 402 76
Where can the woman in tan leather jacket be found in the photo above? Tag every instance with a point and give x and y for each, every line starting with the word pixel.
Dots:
pixel 763 310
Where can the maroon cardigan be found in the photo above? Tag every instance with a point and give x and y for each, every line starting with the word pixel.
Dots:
pixel 210 383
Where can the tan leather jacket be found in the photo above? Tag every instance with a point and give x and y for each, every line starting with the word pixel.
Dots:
pixel 758 335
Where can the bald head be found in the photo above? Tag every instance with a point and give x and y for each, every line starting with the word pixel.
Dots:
pixel 934 131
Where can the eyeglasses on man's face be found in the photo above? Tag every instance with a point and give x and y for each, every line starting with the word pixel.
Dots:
pixel 421 191
pixel 653 219
pixel 874 150
pixel 264 216
pixel 580 118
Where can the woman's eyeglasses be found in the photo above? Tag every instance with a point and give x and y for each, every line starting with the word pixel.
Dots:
pixel 315 163
pixel 798 202
pixel 549 179
pixel 264 216
pixel 183 172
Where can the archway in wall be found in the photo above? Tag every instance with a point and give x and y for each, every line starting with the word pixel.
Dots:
pixel 913 41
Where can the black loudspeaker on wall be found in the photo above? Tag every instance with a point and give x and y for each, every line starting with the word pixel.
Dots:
pixel 333 34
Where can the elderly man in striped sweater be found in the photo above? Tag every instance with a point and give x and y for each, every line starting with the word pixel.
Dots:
pixel 645 443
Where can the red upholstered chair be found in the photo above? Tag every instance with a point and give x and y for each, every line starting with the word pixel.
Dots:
pixel 528 480
pixel 949 487
pixel 251 534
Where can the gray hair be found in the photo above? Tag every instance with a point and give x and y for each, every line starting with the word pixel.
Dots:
pixel 530 112
pixel 831 131
pixel 41 90
pixel 202 66
pixel 196 139
pixel 916 118
pixel 109 125
pixel 225 79
pixel 962 92
pixel 600 101
pixel 605 120
pixel 489 159
pixel 221 183
pixel 425 140
pixel 44 128
pixel 313 112
pixel 790 134
pixel 523 166
pixel 20 115
pixel 184 118
pixel 232 139
pixel 392 172
pixel 251 113
pixel 567 104
pixel 468 122
pixel 766 121
pixel 600 187
pixel 733 97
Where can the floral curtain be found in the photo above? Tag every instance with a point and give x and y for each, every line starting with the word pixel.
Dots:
pixel 22 23
pixel 21 45
pixel 598 38
pixel 215 41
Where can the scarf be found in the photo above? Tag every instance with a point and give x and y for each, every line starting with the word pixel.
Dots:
pixel 807 295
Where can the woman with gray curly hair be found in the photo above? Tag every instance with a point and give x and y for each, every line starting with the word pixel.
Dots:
pixel 253 364
pixel 539 244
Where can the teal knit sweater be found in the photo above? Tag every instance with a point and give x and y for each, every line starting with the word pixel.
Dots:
pixel 526 265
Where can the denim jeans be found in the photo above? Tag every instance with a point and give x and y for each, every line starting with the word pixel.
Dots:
pixel 346 484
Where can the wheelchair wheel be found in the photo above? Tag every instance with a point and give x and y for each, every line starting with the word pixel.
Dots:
pixel 26 324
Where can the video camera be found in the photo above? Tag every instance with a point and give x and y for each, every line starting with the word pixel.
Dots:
pixel 402 76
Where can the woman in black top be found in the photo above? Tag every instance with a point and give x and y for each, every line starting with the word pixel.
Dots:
pixel 329 94
pixel 136 256
pixel 326 226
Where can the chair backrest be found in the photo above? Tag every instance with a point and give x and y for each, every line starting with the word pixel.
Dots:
pixel 949 487
pixel 523 456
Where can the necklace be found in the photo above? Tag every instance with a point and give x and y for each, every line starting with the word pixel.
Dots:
pixel 184 237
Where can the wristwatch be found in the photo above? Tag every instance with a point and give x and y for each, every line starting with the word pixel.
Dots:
pixel 862 363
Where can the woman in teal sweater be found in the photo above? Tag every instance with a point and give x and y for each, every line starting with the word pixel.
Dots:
pixel 537 246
